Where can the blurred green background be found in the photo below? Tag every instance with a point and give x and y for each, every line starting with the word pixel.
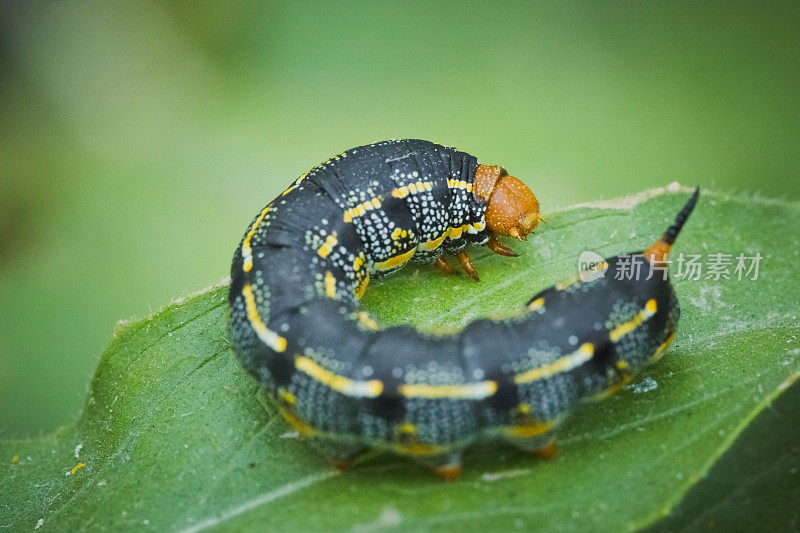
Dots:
pixel 137 139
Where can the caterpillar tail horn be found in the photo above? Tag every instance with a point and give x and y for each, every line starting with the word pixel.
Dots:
pixel 658 251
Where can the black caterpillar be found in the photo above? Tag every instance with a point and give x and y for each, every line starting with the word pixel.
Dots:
pixel 347 383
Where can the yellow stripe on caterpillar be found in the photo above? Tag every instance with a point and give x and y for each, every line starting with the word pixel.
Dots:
pixel 360 209
pixel 296 183
pixel 624 379
pixel 286 406
pixel 400 192
pixel 533 429
pixel 477 227
pixel 330 284
pixel 366 320
pixel 623 329
pixel 358 262
pixel 396 261
pixel 347 386
pixel 326 248
pixel 362 286
pixel 566 363
pixel 412 188
pixel 419 449
pixel 468 391
pixel 455 233
pixel 459 184
pixel 535 305
pixel 661 349
pixel 247 252
pixel 429 246
pixel 267 336
pixel 561 285
pixel 399 233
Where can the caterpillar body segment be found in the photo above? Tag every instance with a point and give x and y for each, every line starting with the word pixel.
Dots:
pixel 348 383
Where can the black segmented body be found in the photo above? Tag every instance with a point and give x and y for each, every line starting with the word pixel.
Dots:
pixel 347 382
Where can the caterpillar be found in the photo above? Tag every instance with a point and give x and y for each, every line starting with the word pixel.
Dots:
pixel 349 384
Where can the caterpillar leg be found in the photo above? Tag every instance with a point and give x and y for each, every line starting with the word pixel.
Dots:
pixel 446 467
pixel 499 248
pixel 445 268
pixel 463 260
pixel 542 446
pixel 338 455
pixel 448 472
pixel 547 452
pixel 466 264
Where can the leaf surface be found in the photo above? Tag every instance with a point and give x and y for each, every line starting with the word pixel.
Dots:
pixel 174 435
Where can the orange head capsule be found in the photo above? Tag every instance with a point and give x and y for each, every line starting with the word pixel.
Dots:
pixel 511 209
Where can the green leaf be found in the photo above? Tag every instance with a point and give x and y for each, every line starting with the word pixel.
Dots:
pixel 174 435
pixel 755 486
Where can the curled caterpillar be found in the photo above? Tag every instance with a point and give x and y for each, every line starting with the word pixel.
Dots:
pixel 348 383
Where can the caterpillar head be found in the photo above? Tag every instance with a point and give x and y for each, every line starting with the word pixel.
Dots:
pixel 511 209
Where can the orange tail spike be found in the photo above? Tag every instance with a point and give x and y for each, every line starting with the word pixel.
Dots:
pixel 657 253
